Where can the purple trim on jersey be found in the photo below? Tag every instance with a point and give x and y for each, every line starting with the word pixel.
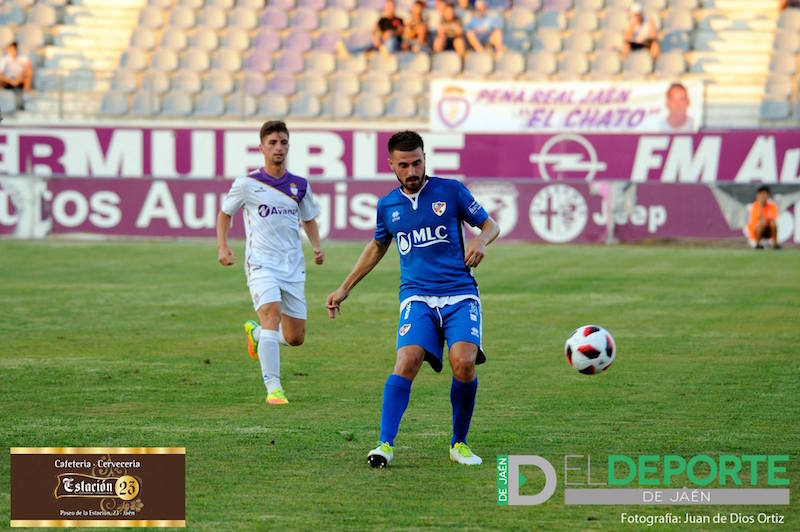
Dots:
pixel 293 186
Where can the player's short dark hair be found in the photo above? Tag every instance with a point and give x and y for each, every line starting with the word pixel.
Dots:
pixel 405 141
pixel 13 44
pixel 677 85
pixel 273 126
pixel 763 188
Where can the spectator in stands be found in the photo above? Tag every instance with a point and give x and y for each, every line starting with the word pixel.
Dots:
pixel 641 34
pixel 677 118
pixel 450 35
pixel 16 71
pixel 763 221
pixel 415 34
pixel 790 3
pixel 388 32
pixel 485 28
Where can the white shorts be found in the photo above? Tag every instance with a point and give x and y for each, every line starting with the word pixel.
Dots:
pixel 292 296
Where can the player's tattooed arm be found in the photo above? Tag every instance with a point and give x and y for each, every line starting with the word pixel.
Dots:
pixel 370 257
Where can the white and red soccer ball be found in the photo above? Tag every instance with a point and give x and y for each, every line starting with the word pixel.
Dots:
pixel 590 349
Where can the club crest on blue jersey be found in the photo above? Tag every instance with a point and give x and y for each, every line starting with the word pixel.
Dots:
pixel 293 190
pixel 439 207
pixel 395 215
pixel 404 329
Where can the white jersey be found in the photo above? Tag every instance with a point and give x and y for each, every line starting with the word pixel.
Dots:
pixel 273 209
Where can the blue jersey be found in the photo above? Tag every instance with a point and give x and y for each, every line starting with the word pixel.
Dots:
pixel 429 234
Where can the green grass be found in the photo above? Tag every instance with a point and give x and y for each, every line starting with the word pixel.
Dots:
pixel 140 343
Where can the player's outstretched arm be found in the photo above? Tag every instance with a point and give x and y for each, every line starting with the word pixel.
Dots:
pixel 226 256
pixel 476 249
pixel 312 232
pixel 372 255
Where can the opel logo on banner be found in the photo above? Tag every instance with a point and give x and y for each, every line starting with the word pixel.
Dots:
pixel 581 158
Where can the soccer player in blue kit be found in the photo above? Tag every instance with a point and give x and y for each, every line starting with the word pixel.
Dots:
pixel 439 299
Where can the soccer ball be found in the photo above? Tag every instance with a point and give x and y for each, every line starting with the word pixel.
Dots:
pixel 590 349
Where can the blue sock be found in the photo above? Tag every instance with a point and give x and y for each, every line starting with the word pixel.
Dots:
pixel 462 397
pixel 396 392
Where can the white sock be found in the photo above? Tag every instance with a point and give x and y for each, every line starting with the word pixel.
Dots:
pixel 257 333
pixel 281 338
pixel 270 358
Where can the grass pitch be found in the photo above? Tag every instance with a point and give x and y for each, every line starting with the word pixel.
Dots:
pixel 140 343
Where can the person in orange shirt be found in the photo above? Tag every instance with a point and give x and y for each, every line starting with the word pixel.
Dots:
pixel 762 223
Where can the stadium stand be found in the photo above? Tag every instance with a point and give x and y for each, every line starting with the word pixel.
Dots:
pixel 232 58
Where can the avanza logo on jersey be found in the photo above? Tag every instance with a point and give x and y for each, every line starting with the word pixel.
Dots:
pixel 266 210
pixel 421 238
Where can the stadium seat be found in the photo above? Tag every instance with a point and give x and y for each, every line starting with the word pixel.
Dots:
pixel 321 63
pixel 297 41
pixel 240 106
pixel 218 81
pixel 359 40
pixel 778 87
pixel 775 109
pixel 151 17
pixel 343 83
pixel 194 4
pixel 606 64
pixel 161 4
pixel 621 4
pixel 124 81
pixel 789 19
pixel 478 65
pixel 369 106
pixel 284 5
pixel 209 104
pixel 588 5
pixel 337 105
pixel 679 20
pixel 520 20
pixel 30 37
pixel 6 37
pixel 530 5
pixel 509 65
pixel 542 62
pixel 638 65
pixel 376 83
pixel 186 81
pixel 11 15
pixel 155 81
pixel 274 18
pixel 113 103
pixel 304 19
pixel 164 59
pixel 653 5
pixel 252 84
pixel 42 15
pixel 289 62
pixel 675 40
pixel 258 61
pixel 283 83
pixel 552 19
pixel 195 59
pixel 334 19
pixel 173 39
pixel 364 19
pixel 181 17
pixel 573 65
pixel 583 21
pixel 328 41
pixel 347 5
pixel 316 5
pixel 134 59
pixel 141 38
pixel 783 63
pixel 401 107
pixel 177 103
pixel 609 40
pixel 683 4
pixel 353 64
pixel 267 40
pixel 205 39
pixel 670 64
pixel 223 4
pixel 615 20
pixel 381 63
pixel 409 84
pixel 304 106
pixel 579 41
pixel 371 4
pixel 145 104
pixel 312 83
pixel 212 17
pixel 446 64
pixel 548 40
pixel 8 101
pixel 787 41
pixel 419 62
pixel 242 17
pixel 227 60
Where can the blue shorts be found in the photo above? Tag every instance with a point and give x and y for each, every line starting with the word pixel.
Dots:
pixel 430 327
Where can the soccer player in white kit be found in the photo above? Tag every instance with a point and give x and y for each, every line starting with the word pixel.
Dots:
pixel 274 202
